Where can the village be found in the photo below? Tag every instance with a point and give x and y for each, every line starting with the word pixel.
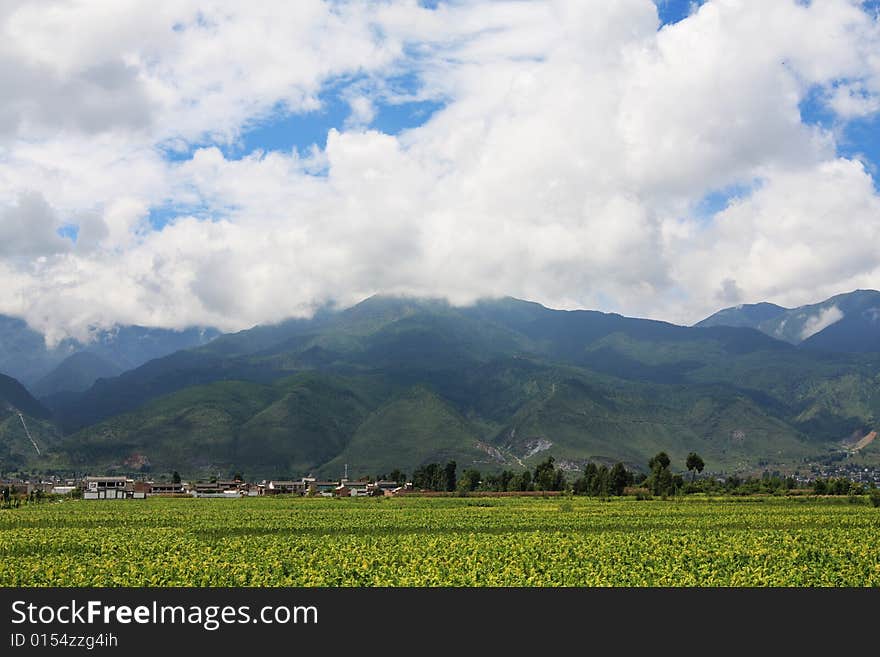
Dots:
pixel 127 488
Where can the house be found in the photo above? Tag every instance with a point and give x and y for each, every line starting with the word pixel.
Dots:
pixel 383 487
pixel 22 487
pixel 324 488
pixel 107 488
pixel 217 489
pixel 355 488
pixel 165 488
pixel 280 487
pixel 402 490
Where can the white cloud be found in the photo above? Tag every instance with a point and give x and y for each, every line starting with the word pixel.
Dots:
pixel 28 229
pixel 801 237
pixel 362 112
pixel 851 100
pixel 177 68
pixel 567 165
pixel 825 318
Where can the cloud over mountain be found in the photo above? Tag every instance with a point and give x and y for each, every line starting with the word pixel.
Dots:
pixel 569 157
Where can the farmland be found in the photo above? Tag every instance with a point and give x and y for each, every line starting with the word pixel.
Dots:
pixel 441 542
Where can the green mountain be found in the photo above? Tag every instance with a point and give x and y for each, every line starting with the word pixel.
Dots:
pixel 414 427
pixel 749 315
pixel 75 373
pixel 14 396
pixel 25 355
pixel 25 428
pixel 395 383
pixel 844 323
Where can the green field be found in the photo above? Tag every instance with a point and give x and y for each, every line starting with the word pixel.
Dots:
pixel 441 542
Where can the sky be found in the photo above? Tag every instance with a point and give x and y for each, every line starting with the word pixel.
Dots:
pixel 212 162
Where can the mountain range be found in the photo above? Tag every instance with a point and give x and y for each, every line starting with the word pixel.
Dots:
pixel 844 323
pixel 398 382
pixel 72 366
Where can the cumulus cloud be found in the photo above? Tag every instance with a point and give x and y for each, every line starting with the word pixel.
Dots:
pixel 804 235
pixel 729 292
pixel 568 164
pixel 185 68
pixel 29 229
pixel 854 99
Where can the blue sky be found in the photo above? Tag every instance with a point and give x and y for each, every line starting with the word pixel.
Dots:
pixel 857 138
pixel 284 131
pixel 672 11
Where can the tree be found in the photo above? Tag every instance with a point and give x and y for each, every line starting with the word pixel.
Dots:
pixel 520 482
pixel 677 483
pixel 590 473
pixel 583 485
pixel 661 460
pixel 601 484
pixel 429 477
pixel 619 479
pixel 503 480
pixel 175 477
pixel 469 481
pixel 694 464
pixel 547 477
pixel 660 481
pixel 449 475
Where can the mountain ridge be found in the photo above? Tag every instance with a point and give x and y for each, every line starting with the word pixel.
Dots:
pixel 25 355
pixel 500 383
pixel 848 322
pixel 395 382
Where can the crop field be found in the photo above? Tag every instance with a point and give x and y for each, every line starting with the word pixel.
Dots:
pixel 441 542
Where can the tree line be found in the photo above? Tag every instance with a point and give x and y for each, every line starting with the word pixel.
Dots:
pixel 599 480
pixel 596 480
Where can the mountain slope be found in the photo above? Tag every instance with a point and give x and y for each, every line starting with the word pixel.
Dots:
pixel 844 323
pixel 75 374
pixel 749 315
pixel 25 355
pixel 14 396
pixel 857 332
pixel 502 383
pixel 415 427
pixel 23 351
pixel 292 425
pixel 18 449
